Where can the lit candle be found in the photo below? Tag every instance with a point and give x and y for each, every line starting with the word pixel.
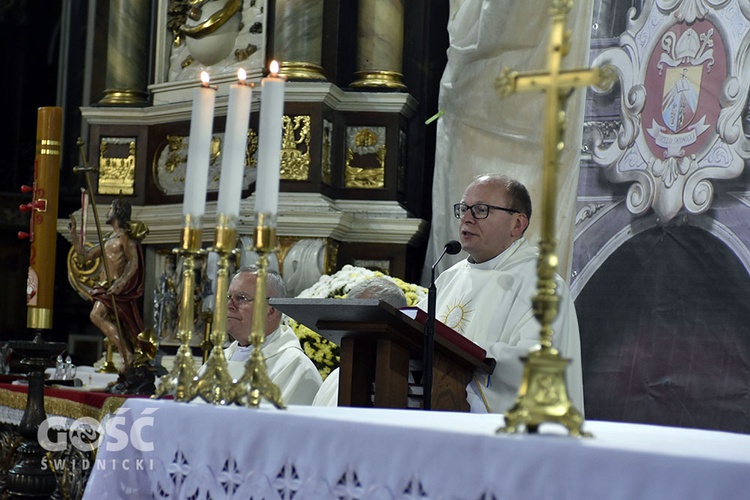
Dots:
pixel 235 145
pixel 269 142
pixel 199 149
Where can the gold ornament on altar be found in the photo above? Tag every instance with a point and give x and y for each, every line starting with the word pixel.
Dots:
pixel 365 157
pixel 295 148
pixel 543 395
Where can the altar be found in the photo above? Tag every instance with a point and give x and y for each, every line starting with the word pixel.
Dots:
pixel 179 450
pixel 70 403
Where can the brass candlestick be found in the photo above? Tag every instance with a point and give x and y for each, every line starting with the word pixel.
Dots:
pixel 543 394
pixel 179 381
pixel 255 383
pixel 109 363
pixel 214 384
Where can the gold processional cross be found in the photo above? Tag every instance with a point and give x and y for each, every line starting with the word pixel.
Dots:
pixel 543 395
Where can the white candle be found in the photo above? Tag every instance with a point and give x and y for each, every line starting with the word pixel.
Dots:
pixel 269 142
pixel 235 145
pixel 199 149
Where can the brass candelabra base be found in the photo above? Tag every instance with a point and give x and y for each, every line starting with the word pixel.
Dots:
pixel 179 381
pixel 109 364
pixel 543 397
pixel 255 384
pixel 214 384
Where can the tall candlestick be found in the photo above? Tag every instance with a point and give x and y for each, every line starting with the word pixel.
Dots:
pixel 235 146
pixel 269 142
pixel 199 149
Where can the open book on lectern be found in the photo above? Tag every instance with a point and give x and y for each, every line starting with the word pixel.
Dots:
pixel 335 319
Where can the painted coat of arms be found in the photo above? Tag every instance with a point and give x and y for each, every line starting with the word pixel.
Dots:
pixel 684 72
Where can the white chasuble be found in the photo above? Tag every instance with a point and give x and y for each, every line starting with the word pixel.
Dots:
pixel 287 366
pixel 490 304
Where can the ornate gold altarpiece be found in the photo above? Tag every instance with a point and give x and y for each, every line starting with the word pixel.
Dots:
pixel 342 151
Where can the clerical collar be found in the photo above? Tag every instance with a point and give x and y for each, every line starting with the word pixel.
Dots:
pixel 490 264
pixel 268 339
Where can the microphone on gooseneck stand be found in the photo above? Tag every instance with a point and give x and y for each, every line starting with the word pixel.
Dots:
pixel 451 248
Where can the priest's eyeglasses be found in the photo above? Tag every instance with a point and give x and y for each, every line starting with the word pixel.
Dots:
pixel 239 299
pixel 478 211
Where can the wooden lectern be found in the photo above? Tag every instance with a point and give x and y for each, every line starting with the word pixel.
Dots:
pixel 377 341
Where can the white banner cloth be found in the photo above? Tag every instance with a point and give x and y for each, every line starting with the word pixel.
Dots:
pixel 482 133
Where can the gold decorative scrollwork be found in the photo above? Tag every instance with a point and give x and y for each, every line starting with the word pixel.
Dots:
pixel 116 173
pixel 365 138
pixel 366 148
pixel 295 148
pixel 174 157
pixel 177 147
pixel 252 147
pixel 176 18
pixel 83 276
pixel 179 11
pixel 169 165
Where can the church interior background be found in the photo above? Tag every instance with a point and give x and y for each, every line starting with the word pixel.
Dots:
pixel 657 211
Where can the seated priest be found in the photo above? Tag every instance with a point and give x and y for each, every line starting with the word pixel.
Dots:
pixel 286 363
pixel 374 288
pixel 488 296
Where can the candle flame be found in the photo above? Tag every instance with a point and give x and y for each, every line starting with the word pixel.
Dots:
pixel 241 75
pixel 274 67
pixel 204 77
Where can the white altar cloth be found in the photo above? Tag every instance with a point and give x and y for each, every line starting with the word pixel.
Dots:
pixel 203 451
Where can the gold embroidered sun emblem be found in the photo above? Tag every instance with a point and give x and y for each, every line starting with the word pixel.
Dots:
pixel 457 316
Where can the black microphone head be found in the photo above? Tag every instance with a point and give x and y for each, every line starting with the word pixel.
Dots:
pixel 452 247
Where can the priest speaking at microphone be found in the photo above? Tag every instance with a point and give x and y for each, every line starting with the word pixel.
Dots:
pixel 487 297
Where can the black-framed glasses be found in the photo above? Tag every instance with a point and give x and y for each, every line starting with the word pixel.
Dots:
pixel 479 211
pixel 239 299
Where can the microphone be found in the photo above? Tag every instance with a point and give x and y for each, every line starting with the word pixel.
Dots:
pixel 450 248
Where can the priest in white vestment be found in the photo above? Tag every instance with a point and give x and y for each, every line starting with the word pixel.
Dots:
pixel 287 364
pixel 488 296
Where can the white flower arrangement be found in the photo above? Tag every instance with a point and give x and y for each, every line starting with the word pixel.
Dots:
pixel 323 353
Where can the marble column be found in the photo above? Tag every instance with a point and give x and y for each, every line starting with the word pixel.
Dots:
pixel 298 38
pixel 127 53
pixel 380 43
